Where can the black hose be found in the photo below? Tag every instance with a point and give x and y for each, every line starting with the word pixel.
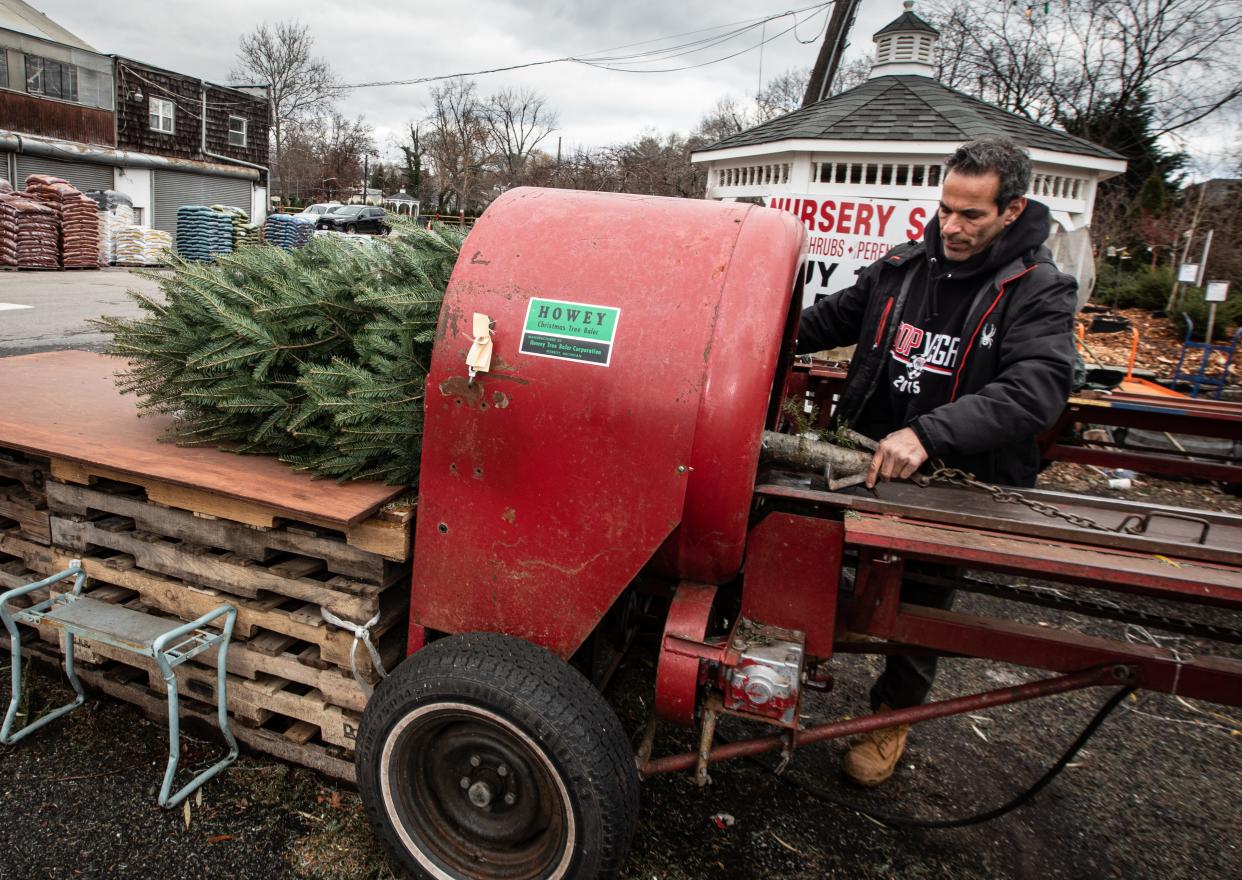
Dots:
pixel 910 822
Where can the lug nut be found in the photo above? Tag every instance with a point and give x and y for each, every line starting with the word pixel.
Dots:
pixel 474 761
pixel 502 770
pixel 510 799
pixel 465 782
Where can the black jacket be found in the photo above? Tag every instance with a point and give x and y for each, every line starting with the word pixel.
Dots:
pixel 1012 373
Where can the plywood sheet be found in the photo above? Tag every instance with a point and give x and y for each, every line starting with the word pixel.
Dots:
pixel 64 405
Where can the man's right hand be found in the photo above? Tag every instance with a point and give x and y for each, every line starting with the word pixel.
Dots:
pixel 897 457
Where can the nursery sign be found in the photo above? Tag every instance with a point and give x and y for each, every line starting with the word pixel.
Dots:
pixel 848 233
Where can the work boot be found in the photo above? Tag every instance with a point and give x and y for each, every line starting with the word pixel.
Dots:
pixel 874 755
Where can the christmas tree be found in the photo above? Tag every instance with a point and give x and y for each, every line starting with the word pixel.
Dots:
pixel 316 355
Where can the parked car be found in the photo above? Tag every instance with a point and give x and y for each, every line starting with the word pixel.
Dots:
pixel 314 212
pixel 354 218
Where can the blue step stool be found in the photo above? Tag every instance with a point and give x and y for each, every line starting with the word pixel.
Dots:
pixel 169 642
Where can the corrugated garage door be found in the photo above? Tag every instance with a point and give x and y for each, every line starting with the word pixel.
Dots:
pixel 176 188
pixel 84 175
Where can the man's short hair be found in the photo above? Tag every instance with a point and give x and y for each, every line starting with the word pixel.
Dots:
pixel 1001 155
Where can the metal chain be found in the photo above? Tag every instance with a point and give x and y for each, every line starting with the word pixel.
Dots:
pixel 965 480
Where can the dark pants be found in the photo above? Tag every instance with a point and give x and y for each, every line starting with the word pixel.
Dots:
pixel 906 681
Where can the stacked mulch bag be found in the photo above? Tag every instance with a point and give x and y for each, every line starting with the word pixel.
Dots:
pixel 79 219
pixel 115 210
pixel 287 232
pixel 244 232
pixel 29 232
pixel 139 246
pixel 202 233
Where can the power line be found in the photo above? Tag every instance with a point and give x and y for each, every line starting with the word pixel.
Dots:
pixel 603 61
pixel 691 66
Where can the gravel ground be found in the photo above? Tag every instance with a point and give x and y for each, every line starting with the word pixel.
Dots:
pixel 1154 794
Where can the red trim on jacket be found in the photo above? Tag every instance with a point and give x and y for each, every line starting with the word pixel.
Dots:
pixel 879 330
pixel 961 366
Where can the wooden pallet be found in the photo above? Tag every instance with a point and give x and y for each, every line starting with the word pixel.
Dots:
pixel 29 512
pixel 262 656
pixel 29 470
pixel 251 702
pixel 288 740
pixel 386 534
pixel 295 577
pixel 267 621
pixel 258 544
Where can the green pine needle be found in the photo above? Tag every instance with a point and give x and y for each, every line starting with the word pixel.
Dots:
pixel 317 356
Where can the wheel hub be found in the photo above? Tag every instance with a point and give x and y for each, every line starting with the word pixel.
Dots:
pixel 480 795
pixel 485 795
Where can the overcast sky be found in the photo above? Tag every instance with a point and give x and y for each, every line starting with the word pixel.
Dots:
pixel 402 39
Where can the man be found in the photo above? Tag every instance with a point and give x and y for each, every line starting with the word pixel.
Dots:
pixel 965 353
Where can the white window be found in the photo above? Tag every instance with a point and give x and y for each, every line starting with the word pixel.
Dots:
pixel 237 131
pixel 161 112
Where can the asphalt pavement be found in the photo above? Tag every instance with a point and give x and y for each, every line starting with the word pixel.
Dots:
pixel 46 311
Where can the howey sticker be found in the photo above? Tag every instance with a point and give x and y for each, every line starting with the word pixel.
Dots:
pixel 569 331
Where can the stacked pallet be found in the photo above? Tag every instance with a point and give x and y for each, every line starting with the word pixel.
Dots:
pixel 180 550
pixel 291 672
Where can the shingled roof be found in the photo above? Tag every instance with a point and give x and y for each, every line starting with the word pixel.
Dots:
pixel 905 22
pixel 908 108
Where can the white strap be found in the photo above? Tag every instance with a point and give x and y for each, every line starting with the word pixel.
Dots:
pixel 362 633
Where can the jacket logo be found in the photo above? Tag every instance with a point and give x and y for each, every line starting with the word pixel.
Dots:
pixel 989 333
pixel 908 339
pixel 922 354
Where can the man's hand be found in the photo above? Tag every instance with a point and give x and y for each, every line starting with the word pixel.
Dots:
pixel 897 457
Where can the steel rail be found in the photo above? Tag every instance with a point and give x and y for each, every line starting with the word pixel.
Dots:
pixel 1105 675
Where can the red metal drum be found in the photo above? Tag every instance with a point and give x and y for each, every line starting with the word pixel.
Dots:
pixel 635 343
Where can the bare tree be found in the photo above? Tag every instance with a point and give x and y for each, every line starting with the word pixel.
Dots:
pixel 727 117
pixel 782 94
pixel 299 85
pixel 1083 59
pixel 458 145
pixel 850 74
pixel 517 120
pixel 341 144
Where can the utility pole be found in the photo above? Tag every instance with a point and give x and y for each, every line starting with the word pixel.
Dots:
pixel 831 51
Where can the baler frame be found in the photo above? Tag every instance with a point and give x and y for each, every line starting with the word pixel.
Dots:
pixel 806 530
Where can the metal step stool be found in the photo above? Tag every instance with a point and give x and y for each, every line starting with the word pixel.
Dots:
pixel 170 643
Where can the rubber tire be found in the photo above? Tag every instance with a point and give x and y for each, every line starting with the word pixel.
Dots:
pixel 545 698
pixel 351 229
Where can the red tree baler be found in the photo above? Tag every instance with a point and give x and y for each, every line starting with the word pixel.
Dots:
pixel 608 458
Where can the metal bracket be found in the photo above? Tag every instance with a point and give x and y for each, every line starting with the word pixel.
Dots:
pixel 1138 524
